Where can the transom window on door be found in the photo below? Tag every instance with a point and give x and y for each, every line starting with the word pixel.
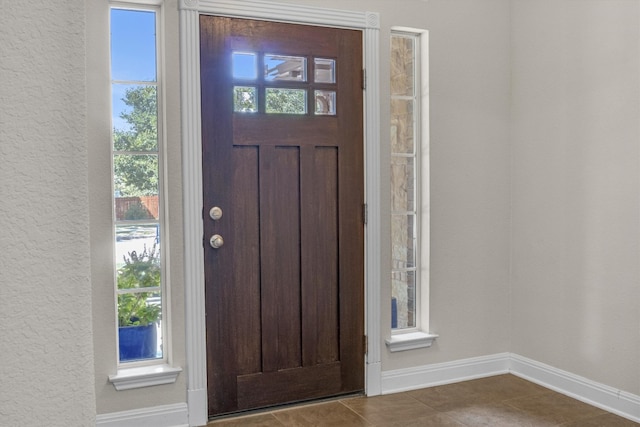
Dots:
pixel 409 185
pixel 137 184
pixel 274 83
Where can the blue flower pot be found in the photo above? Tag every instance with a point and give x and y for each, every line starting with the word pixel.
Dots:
pixel 137 342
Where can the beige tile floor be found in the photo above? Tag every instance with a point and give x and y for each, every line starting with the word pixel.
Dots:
pixel 503 400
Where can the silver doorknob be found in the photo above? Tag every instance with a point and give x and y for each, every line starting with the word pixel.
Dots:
pixel 216 241
pixel 215 213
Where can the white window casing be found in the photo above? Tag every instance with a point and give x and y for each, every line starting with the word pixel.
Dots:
pixel 415 334
pixel 153 371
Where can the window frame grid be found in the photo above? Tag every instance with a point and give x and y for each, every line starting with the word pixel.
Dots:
pixel 416 155
pixel 161 222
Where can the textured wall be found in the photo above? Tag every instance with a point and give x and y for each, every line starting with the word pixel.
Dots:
pixel 576 187
pixel 46 362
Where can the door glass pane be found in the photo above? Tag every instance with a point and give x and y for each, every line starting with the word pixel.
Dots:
pixel 245 99
pixel 325 102
pixel 402 126
pixel 402 184
pixel 135 175
pixel 402 66
pixel 324 70
pixel 133 45
pixel 286 101
pixel 285 68
pixel 245 65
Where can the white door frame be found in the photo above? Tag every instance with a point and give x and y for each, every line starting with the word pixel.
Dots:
pixel 369 23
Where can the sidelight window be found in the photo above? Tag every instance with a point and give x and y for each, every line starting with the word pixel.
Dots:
pixel 137 161
pixel 409 192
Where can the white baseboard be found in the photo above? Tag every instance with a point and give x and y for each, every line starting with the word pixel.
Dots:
pixel 444 373
pixel 625 404
pixel 175 415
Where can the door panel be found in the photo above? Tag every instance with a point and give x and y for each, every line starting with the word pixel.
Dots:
pixel 285 293
pixel 280 240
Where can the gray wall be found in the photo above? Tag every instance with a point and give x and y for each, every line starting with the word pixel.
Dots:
pixel 46 362
pixel 575 195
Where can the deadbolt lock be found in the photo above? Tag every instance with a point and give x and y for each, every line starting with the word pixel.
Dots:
pixel 215 213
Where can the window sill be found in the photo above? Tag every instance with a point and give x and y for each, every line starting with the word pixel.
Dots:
pixel 410 341
pixel 144 376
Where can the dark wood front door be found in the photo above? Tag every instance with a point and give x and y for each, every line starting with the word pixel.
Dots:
pixel 283 160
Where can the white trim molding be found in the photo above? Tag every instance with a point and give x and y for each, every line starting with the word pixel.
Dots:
pixel 144 376
pixel 369 23
pixel 410 341
pixel 444 373
pixel 195 325
pixel 619 402
pixel 373 185
pixel 158 416
pixel 616 401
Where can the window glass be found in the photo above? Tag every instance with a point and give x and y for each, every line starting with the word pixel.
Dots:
pixel 245 99
pixel 135 175
pixel 325 102
pixel 402 131
pixel 403 180
pixel 285 68
pixel 404 241
pixel 136 185
pixel 135 117
pixel 405 173
pixel 135 237
pixel 133 45
pixel 286 101
pixel 402 66
pixel 404 301
pixel 324 70
pixel 245 65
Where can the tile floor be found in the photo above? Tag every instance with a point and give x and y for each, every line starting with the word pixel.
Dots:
pixel 503 400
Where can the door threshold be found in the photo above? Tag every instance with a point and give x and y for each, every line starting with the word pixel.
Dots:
pixel 284 406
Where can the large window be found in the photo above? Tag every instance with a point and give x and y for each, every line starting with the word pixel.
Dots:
pixel 137 184
pixel 408 181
